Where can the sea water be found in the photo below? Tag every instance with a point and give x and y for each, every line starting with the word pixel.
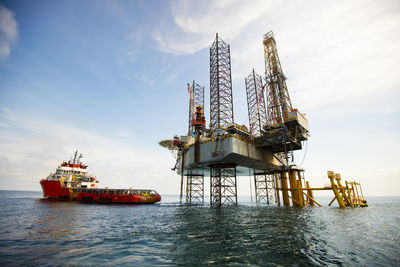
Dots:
pixel 51 233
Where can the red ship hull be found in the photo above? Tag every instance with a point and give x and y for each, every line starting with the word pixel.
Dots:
pixel 54 190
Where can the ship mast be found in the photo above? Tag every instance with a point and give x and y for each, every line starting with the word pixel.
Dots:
pixel 75 157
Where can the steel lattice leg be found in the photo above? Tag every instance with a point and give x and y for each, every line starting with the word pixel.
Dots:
pixel 265 187
pixel 223 186
pixel 194 188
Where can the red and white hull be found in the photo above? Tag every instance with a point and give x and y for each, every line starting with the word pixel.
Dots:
pixel 71 181
pixel 54 190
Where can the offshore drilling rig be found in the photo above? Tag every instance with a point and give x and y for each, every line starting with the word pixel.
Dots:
pixel 226 150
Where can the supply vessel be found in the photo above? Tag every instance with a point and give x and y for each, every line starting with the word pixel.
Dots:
pixel 71 181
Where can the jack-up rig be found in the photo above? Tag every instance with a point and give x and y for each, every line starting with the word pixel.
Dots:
pixel 227 150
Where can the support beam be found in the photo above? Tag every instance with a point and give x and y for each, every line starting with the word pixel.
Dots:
pixel 333 199
pixel 313 200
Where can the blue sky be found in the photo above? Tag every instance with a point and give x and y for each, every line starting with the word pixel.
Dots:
pixel 109 78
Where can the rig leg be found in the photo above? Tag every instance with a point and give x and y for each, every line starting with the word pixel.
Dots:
pixel 348 194
pixel 293 188
pixel 264 187
pixel 284 188
pixel 300 190
pixel 277 199
pixel 194 188
pixel 309 195
pixel 343 192
pixel 223 186
pixel 182 173
pixel 335 189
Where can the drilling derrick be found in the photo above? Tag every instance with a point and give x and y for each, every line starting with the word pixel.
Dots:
pixel 278 100
pixel 286 127
pixel 196 98
pixel 255 103
pixel 221 103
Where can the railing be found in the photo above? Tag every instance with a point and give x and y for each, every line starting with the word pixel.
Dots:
pixel 128 192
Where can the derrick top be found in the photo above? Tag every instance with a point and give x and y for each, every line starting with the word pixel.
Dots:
pixel 269 36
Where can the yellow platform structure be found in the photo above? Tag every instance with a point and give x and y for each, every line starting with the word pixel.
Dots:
pixel 301 194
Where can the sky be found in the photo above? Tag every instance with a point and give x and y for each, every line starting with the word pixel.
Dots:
pixel 109 78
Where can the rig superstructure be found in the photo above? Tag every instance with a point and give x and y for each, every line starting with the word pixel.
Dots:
pixel 227 150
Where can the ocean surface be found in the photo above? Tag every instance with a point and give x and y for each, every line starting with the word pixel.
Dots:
pixel 46 233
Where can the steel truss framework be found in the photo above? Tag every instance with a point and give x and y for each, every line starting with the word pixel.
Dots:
pixel 255 103
pixel 264 184
pixel 194 188
pixel 278 100
pixel 223 186
pixel 196 98
pixel 221 103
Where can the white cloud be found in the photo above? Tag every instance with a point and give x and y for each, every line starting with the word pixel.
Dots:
pixel 33 146
pixel 198 21
pixel 2 124
pixel 8 31
pixel 124 134
pixel 330 51
pixel 121 62
pixel 172 76
pixel 131 56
